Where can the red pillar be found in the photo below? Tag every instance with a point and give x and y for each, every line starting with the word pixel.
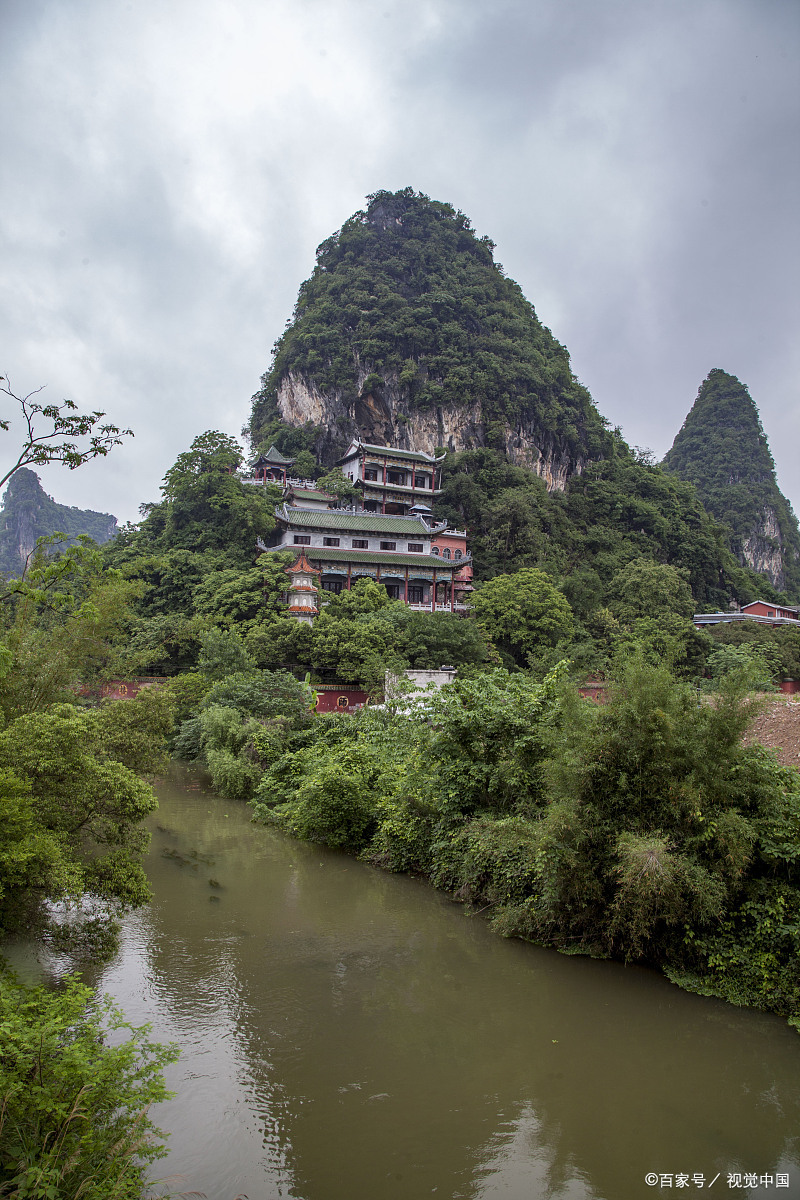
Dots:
pixel 405 591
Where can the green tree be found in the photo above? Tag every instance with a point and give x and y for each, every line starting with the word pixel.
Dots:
pixel 61 619
pixel 222 653
pixel 336 483
pixel 58 433
pixel 207 505
pixel 73 1108
pixel 644 588
pixel 522 612
pixel 85 804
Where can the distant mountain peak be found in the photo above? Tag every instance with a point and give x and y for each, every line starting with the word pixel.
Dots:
pixel 28 513
pixel 722 449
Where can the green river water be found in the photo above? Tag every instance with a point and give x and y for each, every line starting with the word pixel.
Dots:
pixel 352 1035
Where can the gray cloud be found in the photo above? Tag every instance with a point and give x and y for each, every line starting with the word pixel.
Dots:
pixel 168 170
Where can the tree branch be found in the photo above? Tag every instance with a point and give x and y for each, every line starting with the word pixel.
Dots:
pixel 65 423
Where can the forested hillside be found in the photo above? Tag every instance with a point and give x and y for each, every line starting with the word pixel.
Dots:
pixel 410 334
pixel 28 513
pixel 723 451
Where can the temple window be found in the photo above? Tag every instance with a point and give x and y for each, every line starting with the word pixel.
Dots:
pixel 457 554
pixel 372 476
pixel 302 539
pixel 388 545
pixel 415 547
pixel 446 553
pixel 360 544
pixel 434 549
pixel 329 541
pixel 415 594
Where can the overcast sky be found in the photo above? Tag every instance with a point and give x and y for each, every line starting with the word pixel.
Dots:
pixel 168 168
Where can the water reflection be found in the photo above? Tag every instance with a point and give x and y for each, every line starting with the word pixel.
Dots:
pixel 349 1034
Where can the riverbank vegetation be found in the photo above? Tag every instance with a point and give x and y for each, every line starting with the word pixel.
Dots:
pixel 73 1110
pixel 74 794
pixel 643 829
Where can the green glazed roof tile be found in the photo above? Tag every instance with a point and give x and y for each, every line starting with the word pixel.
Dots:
pixel 393 452
pixel 425 562
pixel 358 522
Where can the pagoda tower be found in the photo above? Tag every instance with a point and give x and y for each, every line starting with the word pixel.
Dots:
pixel 302 589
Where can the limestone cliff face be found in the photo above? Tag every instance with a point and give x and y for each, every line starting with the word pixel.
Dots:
pixel 384 419
pixel 764 550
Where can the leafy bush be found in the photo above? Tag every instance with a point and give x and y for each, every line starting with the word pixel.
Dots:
pixel 73 1109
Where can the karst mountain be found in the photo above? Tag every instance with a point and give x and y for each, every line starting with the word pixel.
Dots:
pixel 408 333
pixel 722 449
pixel 28 513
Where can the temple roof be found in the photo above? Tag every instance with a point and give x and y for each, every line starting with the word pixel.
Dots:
pixel 390 452
pixel 309 493
pixel 301 566
pixel 358 522
pixel 273 456
pixel 389 558
pixel 379 487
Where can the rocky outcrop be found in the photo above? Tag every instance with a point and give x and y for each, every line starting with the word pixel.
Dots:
pixel 764 551
pixel 382 417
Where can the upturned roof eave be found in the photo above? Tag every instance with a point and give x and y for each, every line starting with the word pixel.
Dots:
pixel 358 446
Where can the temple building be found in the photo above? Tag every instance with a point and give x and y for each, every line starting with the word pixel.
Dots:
pixel 272 467
pixel 392 481
pixel 388 535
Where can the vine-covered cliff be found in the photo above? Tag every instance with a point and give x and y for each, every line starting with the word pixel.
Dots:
pixel 28 513
pixel 409 333
pixel 723 451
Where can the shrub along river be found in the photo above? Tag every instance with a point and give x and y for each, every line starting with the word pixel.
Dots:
pixel 348 1034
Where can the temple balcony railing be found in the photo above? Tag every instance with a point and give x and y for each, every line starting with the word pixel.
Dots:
pixel 308 484
pixel 447 607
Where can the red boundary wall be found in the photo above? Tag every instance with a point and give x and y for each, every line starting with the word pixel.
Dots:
pixel 333 698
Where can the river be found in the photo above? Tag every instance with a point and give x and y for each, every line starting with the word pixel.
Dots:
pixel 347 1034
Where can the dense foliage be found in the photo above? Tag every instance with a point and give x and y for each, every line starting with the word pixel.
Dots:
pixel 723 451
pixel 617 511
pixel 642 829
pixel 28 513
pixel 71 795
pixel 407 297
pixel 73 1109
pixel 73 1117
